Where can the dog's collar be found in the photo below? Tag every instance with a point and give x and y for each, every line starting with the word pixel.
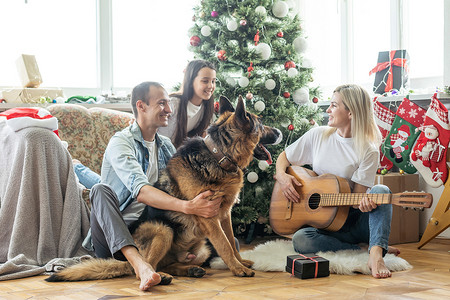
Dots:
pixel 224 161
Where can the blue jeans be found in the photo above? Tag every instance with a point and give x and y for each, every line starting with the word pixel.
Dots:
pixel 86 176
pixel 372 228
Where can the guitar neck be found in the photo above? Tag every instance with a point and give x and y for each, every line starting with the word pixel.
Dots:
pixel 347 199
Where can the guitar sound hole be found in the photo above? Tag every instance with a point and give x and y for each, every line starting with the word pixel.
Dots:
pixel 314 201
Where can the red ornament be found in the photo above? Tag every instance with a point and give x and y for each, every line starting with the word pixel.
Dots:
pixel 214 14
pixel 243 22
pixel 256 39
pixel 315 100
pixel 216 107
pixel 280 34
pixel 291 127
pixel 221 55
pixel 250 69
pixel 286 94
pixel 195 41
pixel 249 96
pixel 289 64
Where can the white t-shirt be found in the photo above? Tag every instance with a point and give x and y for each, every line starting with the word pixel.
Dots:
pixel 194 116
pixel 334 155
pixel 133 211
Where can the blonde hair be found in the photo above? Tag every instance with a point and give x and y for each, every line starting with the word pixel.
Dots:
pixel 364 129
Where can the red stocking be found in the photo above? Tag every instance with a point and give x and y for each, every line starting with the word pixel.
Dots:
pixel 384 118
pixel 429 154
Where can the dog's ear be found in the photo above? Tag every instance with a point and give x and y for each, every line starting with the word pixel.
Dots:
pixel 241 113
pixel 225 105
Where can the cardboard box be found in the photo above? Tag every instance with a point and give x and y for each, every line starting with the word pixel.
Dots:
pixel 29 95
pixel 405 222
pixel 308 268
pixel 28 71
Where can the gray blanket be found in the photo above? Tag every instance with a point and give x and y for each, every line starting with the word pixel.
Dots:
pixel 42 215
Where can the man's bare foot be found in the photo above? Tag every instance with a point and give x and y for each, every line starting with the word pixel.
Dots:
pixel 148 277
pixel 393 250
pixel 376 263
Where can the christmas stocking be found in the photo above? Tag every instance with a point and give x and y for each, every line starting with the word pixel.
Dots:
pixel 400 139
pixel 429 154
pixel 384 118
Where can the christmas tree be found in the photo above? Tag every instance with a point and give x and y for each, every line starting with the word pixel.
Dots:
pixel 257 48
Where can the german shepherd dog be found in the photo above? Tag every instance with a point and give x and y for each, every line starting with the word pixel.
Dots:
pixel 173 242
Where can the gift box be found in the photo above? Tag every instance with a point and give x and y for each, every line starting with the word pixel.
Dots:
pixel 28 71
pixel 29 95
pixel 391 71
pixel 308 265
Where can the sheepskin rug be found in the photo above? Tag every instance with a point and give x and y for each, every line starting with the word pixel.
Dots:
pixel 271 256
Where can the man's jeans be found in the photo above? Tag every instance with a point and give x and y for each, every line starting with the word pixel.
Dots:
pixel 371 228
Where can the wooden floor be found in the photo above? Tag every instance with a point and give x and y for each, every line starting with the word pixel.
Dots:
pixel 429 279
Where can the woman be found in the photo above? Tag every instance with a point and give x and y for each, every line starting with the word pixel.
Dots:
pixel 348 148
pixel 193 105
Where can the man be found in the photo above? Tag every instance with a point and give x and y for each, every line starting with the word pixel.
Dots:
pixel 129 169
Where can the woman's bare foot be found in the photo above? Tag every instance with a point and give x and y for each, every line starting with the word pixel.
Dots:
pixel 148 277
pixel 376 263
pixel 393 250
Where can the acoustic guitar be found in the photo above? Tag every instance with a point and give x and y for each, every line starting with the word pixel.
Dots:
pixel 325 201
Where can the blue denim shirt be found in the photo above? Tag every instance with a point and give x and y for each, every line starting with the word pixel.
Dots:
pixel 125 164
pixel 126 160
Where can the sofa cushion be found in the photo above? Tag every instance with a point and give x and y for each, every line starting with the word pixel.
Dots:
pixel 88 131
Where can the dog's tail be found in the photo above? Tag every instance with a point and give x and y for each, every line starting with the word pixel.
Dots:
pixel 93 269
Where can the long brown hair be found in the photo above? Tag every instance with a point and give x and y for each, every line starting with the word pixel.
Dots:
pixel 186 93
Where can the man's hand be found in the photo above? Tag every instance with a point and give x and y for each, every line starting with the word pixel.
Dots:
pixel 287 182
pixel 203 206
pixel 366 205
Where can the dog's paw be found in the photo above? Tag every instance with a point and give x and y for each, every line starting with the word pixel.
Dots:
pixel 247 263
pixel 196 272
pixel 243 272
pixel 165 278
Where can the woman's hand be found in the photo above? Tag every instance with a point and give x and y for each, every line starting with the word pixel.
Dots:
pixel 366 205
pixel 286 183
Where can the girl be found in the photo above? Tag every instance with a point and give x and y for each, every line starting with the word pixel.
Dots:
pixel 193 105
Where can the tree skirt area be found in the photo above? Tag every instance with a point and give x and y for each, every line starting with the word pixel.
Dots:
pixel 271 256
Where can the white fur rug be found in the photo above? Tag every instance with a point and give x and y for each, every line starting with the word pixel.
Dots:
pixel 271 256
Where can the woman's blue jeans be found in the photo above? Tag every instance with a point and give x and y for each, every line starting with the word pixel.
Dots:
pixel 371 228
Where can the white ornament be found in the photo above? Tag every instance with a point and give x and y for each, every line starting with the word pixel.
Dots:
pixel 206 30
pixel 307 63
pixel 233 43
pixel 263 50
pixel 300 44
pixel 263 165
pixel 292 72
pixel 304 121
pixel 270 84
pixel 231 81
pixel 285 122
pixel 259 105
pixel 252 177
pixel 301 96
pixel 261 10
pixel 258 191
pixel 280 9
pixel 232 25
pixel 243 82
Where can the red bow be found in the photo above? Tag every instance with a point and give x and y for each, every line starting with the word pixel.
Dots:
pixel 400 62
pixel 305 257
